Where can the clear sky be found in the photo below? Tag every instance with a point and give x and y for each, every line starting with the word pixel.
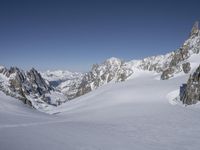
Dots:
pixel 75 34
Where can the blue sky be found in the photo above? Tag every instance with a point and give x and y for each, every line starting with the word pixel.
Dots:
pixel 75 34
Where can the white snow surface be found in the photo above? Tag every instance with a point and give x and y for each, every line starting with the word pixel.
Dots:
pixel 135 114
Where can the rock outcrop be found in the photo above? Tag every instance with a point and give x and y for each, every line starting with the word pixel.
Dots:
pixel 186 67
pixel 190 92
pixel 195 29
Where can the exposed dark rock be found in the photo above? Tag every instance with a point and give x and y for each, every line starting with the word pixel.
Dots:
pixel 174 66
pixel 36 79
pixel 195 29
pixel 186 67
pixel 168 73
pixel 182 90
pixel 190 92
pixel 2 69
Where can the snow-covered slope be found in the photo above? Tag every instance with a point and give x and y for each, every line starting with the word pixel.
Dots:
pixel 135 114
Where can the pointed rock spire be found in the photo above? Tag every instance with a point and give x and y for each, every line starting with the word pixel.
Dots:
pixel 195 29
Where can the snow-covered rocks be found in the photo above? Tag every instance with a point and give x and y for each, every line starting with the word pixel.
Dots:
pixel 181 55
pixel 112 69
pixel 29 87
pixel 64 81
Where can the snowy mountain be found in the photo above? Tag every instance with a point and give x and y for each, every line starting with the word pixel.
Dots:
pixel 112 69
pixel 173 63
pixel 64 81
pixel 29 87
pixel 69 85
pixel 115 70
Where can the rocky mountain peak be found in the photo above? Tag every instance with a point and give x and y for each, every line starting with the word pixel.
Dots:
pixel 35 78
pixel 12 71
pixel 113 61
pixel 195 29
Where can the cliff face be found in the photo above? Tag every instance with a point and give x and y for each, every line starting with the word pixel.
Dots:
pixel 190 92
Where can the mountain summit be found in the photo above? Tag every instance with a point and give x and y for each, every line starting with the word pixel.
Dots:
pixel 195 29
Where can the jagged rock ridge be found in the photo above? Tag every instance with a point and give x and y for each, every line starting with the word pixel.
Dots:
pixel 112 69
pixel 29 87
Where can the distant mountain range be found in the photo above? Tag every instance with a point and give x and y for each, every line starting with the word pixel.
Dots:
pixel 49 89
